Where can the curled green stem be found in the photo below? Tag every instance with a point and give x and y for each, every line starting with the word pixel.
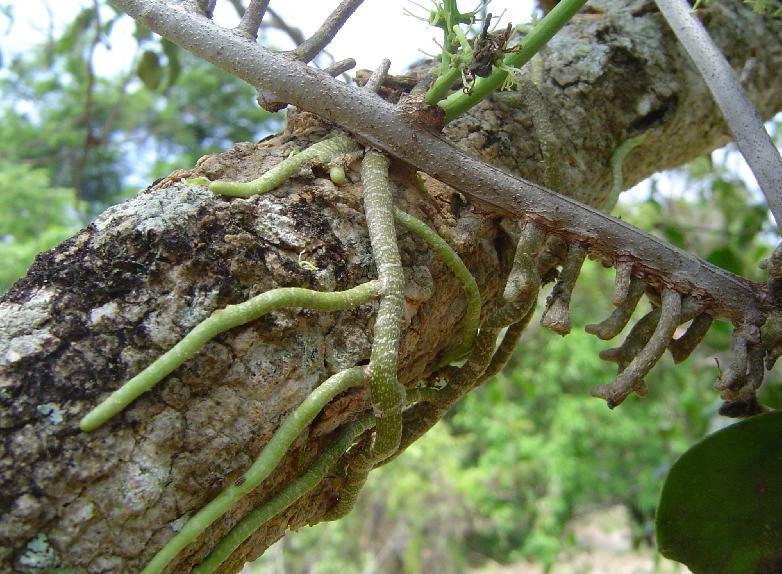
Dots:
pixel 323 152
pixel 456 265
pixel 219 322
pixel 387 394
pixel 299 487
pixel 458 103
pixel 267 461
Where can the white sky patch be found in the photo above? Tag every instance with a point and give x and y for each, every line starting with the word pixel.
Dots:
pixel 379 28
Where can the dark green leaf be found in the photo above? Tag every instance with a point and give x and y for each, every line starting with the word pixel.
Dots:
pixel 726 258
pixel 171 51
pixel 149 70
pixel 720 510
pixel 674 235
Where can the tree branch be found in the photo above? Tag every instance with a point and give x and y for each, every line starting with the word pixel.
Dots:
pixel 103 305
pixel 751 137
pixel 389 128
pixel 312 46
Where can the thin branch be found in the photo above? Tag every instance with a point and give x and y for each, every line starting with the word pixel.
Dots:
pixel 206 7
pixel 310 48
pixel 378 76
pixel 742 117
pixel 340 67
pixel 252 18
pixel 382 125
pixel 293 33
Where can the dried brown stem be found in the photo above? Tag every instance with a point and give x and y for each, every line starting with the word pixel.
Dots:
pixel 624 277
pixel 557 314
pixel 631 378
pixel 613 325
pixel 682 347
pixel 745 372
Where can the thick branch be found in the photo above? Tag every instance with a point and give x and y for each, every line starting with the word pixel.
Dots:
pixel 387 127
pixel 103 305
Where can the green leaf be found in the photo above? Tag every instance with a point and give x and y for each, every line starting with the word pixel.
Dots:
pixel 674 235
pixel 171 51
pixel 75 32
pixel 726 258
pixel 720 510
pixel 149 70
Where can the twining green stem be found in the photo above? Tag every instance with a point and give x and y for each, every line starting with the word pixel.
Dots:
pixel 442 85
pixel 267 461
pixel 617 177
pixel 458 103
pixel 323 151
pixel 387 394
pixel 219 322
pixel 457 266
pixel 541 120
pixel 292 491
pixel 299 487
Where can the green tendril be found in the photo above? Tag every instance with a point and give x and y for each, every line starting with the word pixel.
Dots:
pixel 219 322
pixel 458 103
pixel 299 487
pixel 387 394
pixel 292 492
pixel 616 162
pixel 323 152
pixel 458 268
pixel 267 461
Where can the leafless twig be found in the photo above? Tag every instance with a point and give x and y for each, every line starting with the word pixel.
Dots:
pixel 340 67
pixel 742 117
pixel 378 76
pixel 310 48
pixel 252 18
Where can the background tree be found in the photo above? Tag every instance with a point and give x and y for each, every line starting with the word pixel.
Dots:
pixel 150 269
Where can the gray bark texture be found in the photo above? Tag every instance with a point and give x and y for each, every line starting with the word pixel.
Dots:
pixel 98 308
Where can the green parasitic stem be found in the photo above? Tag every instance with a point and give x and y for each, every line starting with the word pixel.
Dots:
pixel 617 178
pixel 457 266
pixel 219 322
pixel 387 394
pixel 323 152
pixel 267 461
pixel 299 487
pixel 458 103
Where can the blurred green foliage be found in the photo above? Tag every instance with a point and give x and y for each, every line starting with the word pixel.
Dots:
pixel 76 142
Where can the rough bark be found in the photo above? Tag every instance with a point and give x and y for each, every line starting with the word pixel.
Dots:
pixel 102 305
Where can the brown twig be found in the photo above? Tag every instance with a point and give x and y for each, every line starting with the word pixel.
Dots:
pixel 630 379
pixel 378 76
pixel 615 322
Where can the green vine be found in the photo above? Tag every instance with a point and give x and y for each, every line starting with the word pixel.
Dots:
pixel 459 102
pixel 218 322
pixel 267 461
pixel 322 152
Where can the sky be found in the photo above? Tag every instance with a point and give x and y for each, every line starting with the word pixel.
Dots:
pixel 379 28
